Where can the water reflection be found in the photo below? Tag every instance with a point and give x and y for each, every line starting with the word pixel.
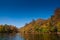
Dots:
pixel 10 36
pixel 17 36
pixel 42 37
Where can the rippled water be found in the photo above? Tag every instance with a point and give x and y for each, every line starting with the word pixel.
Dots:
pixel 17 36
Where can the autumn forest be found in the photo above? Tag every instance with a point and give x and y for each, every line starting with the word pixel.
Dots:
pixel 51 25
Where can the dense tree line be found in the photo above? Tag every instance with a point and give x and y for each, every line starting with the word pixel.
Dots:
pixel 8 29
pixel 50 25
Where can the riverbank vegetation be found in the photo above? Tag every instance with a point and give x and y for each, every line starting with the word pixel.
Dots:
pixel 8 29
pixel 51 25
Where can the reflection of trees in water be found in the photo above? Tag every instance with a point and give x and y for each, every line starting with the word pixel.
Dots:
pixel 41 37
pixel 6 36
pixel 54 37
pixel 44 36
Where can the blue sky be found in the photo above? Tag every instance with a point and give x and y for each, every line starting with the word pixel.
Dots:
pixel 20 12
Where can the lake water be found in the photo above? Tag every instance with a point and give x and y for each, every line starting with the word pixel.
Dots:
pixel 17 36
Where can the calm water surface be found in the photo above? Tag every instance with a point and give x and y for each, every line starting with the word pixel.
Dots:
pixel 11 36
pixel 17 36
